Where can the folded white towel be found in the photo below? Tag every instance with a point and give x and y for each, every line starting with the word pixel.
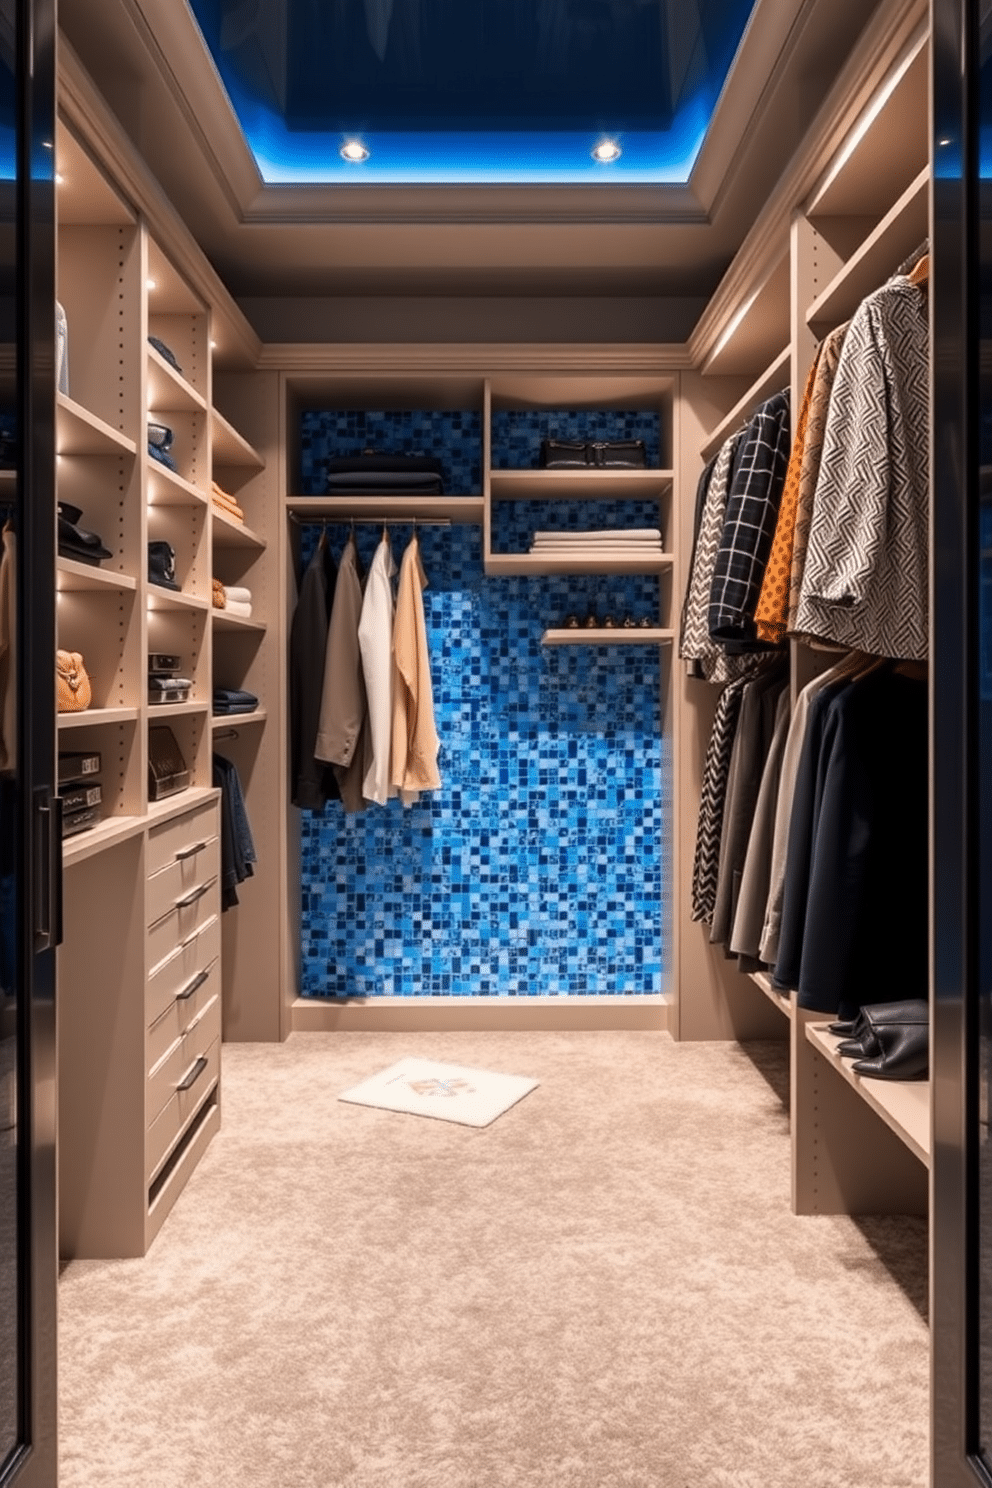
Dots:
pixel 237 607
pixel 240 596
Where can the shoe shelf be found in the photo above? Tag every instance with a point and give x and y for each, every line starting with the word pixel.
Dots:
pixel 74 577
pixel 607 636
pixel 781 1000
pixel 388 508
pixel 595 563
pixel 904 1105
pixel 222 721
pixel 228 532
pixel 168 391
pixel 166 488
pixel 223 621
pixel 900 230
pixel 91 717
pixel 579 485
pixel 79 432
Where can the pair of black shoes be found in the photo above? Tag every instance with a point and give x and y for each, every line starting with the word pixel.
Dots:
pixel 888 1040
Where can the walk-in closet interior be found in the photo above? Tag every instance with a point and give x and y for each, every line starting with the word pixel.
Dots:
pixel 679 743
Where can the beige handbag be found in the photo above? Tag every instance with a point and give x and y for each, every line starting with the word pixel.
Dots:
pixel 72 685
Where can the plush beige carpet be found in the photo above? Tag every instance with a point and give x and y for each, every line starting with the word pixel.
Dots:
pixel 604 1289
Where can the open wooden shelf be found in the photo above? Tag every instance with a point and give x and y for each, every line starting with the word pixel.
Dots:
pixel 231 449
pixel 166 488
pixel 79 432
pixel 221 721
pixel 904 1105
pixel 228 532
pixel 168 392
pixel 175 710
pixel 535 564
pixel 781 1000
pixel 182 801
pixel 160 598
pixel 386 508
pixel 775 376
pixel 93 717
pixel 74 577
pixel 576 485
pixel 111 830
pixel 601 636
pixel 898 233
pixel 223 621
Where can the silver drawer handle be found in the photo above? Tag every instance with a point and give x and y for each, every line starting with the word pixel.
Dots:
pixel 192 896
pixel 190 852
pixel 194 1072
pixel 191 986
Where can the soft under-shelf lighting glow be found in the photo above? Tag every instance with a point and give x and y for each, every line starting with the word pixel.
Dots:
pixel 606 152
pixel 354 152
pixel 150 284
pixel 58 179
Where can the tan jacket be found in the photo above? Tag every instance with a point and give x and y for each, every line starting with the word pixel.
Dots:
pixel 414 742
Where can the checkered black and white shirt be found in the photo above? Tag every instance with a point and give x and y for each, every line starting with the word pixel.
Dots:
pixel 749 524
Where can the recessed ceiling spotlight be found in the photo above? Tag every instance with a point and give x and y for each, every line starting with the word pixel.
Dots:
pixel 606 152
pixel 354 152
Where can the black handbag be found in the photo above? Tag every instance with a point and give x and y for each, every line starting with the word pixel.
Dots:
pixel 604 454
pixel 891 1041
pixel 75 541
pixel 162 565
pixel 374 472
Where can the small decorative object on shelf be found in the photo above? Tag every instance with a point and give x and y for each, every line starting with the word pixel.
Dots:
pixel 603 454
pixel 572 622
pixel 591 622
pixel 609 623
pixel 73 689
pixel 166 352
pixel 160 438
pixel 162 565
pixel 164 682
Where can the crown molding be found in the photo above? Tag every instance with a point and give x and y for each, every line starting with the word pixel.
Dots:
pixel 481 360
pixel 83 109
pixel 896 31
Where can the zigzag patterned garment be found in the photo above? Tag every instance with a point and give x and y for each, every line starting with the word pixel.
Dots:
pixel 703 656
pixel 752 510
pixel 809 474
pixel 864 584
pixel 709 824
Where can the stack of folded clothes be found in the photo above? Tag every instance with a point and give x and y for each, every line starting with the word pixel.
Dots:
pixel 612 542
pixel 233 599
pixel 225 503
pixel 233 700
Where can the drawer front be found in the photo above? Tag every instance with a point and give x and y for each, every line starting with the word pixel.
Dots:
pixel 174 975
pixel 182 1012
pixel 178 882
pixel 168 1127
pixel 181 835
pixel 178 1063
pixel 184 920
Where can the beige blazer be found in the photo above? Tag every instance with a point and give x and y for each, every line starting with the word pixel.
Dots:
pixel 341 730
pixel 414 741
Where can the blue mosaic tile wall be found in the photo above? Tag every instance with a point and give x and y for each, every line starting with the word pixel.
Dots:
pixel 517 432
pixel 453 436
pixel 542 866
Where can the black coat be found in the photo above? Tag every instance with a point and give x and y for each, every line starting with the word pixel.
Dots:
pixel 312 781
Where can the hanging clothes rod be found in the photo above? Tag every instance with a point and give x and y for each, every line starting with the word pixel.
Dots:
pixel 308 519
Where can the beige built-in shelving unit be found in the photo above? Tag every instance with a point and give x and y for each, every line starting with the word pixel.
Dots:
pixel 851 205
pixel 833 234
pixel 143 979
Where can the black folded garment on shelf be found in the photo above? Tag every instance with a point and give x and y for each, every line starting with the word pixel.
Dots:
pixel 374 472
pixel 75 541
pixel 233 700
pixel 603 454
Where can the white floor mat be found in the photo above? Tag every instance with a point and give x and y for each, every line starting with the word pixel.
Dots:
pixel 472 1097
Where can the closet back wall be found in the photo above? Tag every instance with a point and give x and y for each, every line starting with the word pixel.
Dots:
pixel 541 867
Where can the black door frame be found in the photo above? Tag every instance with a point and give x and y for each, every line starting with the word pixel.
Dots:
pixel 35 1465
